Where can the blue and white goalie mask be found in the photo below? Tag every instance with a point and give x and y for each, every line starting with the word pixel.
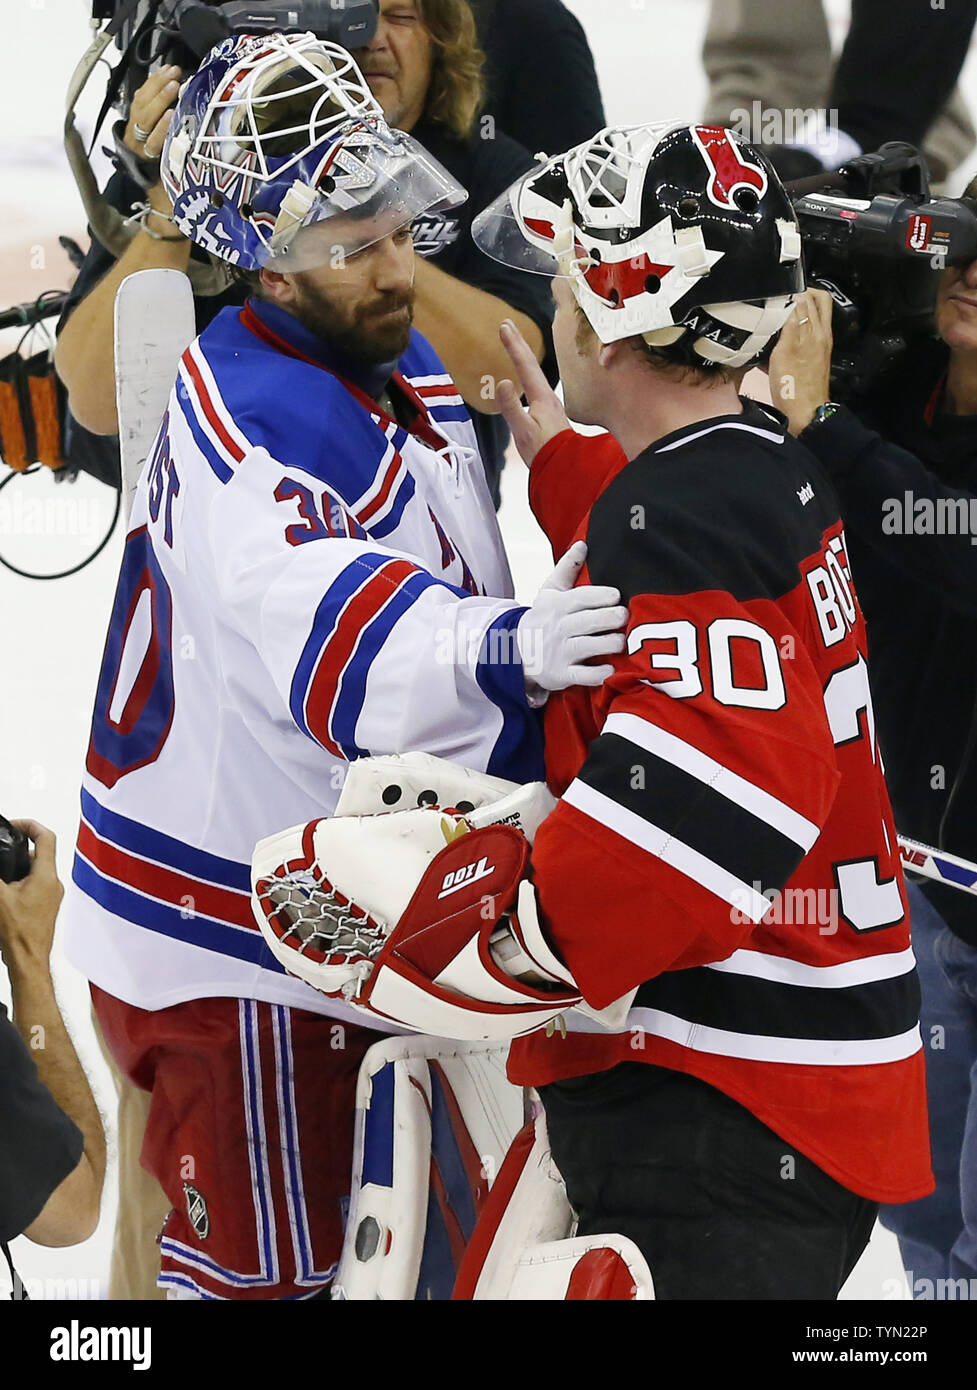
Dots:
pixel 278 155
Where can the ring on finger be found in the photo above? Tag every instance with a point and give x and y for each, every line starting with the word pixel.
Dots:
pixel 803 320
pixel 140 135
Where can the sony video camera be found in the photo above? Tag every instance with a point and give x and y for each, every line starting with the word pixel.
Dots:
pixel 152 33
pixel 875 240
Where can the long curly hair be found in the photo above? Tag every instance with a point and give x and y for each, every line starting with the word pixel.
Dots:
pixel 457 86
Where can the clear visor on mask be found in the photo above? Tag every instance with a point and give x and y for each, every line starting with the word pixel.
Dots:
pixel 366 188
pixel 526 231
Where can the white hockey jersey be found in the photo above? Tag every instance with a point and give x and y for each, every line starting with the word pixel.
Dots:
pixel 304 582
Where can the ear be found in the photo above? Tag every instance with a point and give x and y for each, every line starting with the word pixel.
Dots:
pixel 278 287
pixel 609 354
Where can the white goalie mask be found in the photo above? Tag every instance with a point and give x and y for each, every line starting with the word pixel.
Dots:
pixel 663 231
pixel 278 155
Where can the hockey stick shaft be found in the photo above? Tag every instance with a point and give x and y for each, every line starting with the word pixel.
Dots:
pixel 938 865
pixel 154 324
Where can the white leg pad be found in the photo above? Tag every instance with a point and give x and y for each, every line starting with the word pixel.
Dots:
pixel 434 1119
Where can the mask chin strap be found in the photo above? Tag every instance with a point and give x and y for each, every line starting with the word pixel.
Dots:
pixel 563 239
pixel 570 264
pixel 758 321
pixel 295 208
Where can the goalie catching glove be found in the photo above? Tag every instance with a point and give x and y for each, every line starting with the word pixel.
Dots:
pixel 419 916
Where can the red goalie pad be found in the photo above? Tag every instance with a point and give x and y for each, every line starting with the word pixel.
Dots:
pixel 522 1248
pixel 437 971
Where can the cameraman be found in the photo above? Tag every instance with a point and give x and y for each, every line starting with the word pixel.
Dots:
pixel 52 1147
pixel 900 456
pixel 84 355
pixel 426 70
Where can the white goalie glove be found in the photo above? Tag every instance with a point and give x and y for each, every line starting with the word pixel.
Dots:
pixel 408 781
pixel 567 628
pixel 425 916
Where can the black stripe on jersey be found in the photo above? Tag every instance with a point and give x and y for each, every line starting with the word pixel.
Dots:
pixel 768 1008
pixel 691 811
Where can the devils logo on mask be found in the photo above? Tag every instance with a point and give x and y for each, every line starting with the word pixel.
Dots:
pixel 729 171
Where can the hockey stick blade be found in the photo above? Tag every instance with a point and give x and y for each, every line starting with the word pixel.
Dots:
pixel 154 324
pixel 938 865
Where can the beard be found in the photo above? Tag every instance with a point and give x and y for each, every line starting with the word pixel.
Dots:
pixel 371 333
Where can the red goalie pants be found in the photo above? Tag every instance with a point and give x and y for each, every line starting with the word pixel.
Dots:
pixel 250 1134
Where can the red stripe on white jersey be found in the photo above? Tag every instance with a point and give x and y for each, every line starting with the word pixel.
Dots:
pixel 223 431
pixel 340 646
pixel 394 470
pixel 165 884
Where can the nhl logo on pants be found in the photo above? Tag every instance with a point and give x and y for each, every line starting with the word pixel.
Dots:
pixel 197 1211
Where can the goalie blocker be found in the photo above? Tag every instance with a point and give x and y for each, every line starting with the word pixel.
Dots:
pixel 418 916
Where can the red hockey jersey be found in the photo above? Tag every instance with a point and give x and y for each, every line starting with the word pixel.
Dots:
pixel 724 843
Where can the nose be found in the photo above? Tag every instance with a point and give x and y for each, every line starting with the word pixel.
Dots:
pixel 379 40
pixel 394 265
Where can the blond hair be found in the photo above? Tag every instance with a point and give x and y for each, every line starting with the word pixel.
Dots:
pixel 457 86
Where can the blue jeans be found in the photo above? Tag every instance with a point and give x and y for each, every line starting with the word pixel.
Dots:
pixel 938 1234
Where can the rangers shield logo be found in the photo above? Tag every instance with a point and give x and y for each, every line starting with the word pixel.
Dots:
pixel 729 172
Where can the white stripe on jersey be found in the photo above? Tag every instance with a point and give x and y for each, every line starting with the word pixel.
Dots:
pixel 781 970
pixel 155 898
pixel 422 385
pixel 726 425
pixel 668 848
pixel 108 839
pixel 716 776
pixel 816 1052
pixel 196 408
pixel 432 402
pixel 216 399
pixel 365 499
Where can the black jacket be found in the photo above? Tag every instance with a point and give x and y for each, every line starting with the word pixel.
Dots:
pixel 906 472
pixel 39 1144
pixel 541 83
